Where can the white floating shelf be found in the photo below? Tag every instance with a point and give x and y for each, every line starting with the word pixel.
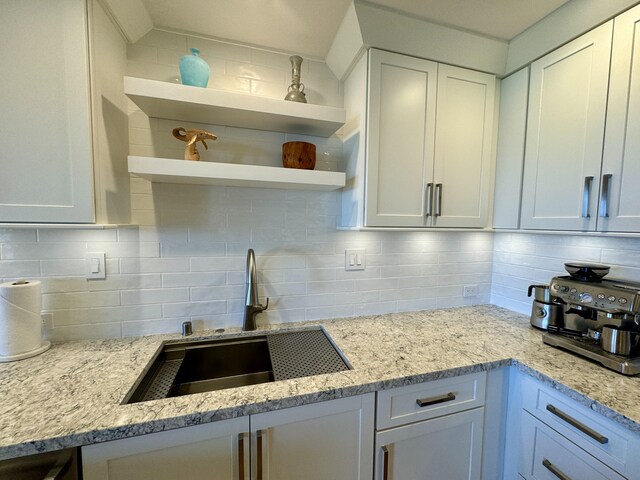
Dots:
pixel 162 170
pixel 204 105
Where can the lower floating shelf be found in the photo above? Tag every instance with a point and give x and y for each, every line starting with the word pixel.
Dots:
pixel 162 170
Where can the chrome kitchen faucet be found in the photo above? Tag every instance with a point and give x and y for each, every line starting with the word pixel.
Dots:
pixel 252 307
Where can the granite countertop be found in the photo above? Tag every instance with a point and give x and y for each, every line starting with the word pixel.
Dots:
pixel 71 395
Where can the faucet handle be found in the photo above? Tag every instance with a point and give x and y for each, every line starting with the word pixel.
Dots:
pixel 264 307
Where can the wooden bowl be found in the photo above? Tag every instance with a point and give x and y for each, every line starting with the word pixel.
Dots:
pixel 299 155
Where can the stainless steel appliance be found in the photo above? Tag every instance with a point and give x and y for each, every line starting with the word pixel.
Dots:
pixel 543 312
pixel 600 320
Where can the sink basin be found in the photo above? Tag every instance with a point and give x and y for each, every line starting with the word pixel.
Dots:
pixel 227 364
pixel 202 366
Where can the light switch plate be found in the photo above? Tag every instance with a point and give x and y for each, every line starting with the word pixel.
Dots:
pixel 95 266
pixel 354 259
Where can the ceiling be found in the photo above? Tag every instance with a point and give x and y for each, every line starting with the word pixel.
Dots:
pixel 309 26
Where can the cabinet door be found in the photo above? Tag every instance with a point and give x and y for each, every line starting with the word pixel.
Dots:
pixel 328 440
pixel 448 447
pixel 216 450
pixel 400 138
pixel 45 148
pixel 619 208
pixel 565 133
pixel 463 153
pixel 512 128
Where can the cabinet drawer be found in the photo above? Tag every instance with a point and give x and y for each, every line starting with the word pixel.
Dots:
pixel 428 400
pixel 548 455
pixel 604 439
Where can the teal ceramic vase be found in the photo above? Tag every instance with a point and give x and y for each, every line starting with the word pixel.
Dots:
pixel 194 70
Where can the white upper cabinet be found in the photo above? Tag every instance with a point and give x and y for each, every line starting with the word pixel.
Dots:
pixel 565 127
pixel 400 138
pixel 463 148
pixel 512 127
pixel 46 147
pixel 429 132
pixel 619 208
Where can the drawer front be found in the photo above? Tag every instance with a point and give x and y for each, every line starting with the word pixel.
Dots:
pixel 548 455
pixel 429 400
pixel 601 437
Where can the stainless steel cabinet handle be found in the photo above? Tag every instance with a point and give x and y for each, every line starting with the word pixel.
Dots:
pixel 259 453
pixel 438 200
pixel 241 438
pixel 578 425
pixel 385 463
pixel 586 196
pixel 555 470
pixel 604 196
pixel 424 402
pixel 429 204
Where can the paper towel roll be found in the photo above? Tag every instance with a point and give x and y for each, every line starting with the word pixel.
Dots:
pixel 20 321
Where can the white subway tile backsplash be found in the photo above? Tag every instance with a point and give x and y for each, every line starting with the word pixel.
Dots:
pixel 193 308
pixel 142 53
pixel 187 259
pixel 193 279
pixel 56 301
pixel 85 332
pixel 154 265
pixel 62 267
pixel 416 304
pixel 156 295
pixel 217 292
pixel 220 49
pixel 524 259
pixel 19 268
pixel 17 235
pixel 82 316
pixel 38 251
pixel 193 249
pixel 151 327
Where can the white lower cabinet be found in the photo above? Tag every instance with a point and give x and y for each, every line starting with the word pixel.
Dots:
pixel 553 436
pixel 448 447
pixel 548 455
pixel 434 430
pixel 327 440
pixel 216 450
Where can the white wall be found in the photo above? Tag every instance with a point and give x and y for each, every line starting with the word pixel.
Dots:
pixel 186 260
pixel 522 259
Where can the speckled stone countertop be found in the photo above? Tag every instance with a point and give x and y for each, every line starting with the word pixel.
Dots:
pixel 71 395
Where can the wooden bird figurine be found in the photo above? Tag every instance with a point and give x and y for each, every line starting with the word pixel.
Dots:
pixel 192 136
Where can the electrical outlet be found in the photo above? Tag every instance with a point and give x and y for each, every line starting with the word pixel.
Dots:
pixel 471 291
pixel 354 259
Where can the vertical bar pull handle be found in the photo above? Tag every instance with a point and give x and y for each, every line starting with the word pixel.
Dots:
pixel 586 196
pixel 260 448
pixel 438 200
pixel 385 463
pixel 555 470
pixel 604 196
pixel 241 456
pixel 428 201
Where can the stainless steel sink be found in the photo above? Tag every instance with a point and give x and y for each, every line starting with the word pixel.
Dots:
pixel 225 364
pixel 202 366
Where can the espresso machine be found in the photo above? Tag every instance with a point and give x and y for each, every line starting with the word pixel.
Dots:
pixel 600 317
